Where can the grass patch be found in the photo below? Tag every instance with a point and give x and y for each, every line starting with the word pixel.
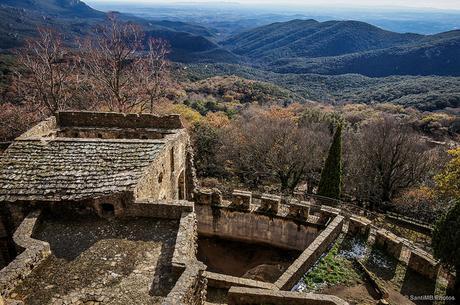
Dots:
pixel 332 269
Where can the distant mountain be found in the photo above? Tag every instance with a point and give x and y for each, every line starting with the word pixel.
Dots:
pixel 68 8
pixel 310 38
pixel 185 27
pixel 340 47
pixel 19 19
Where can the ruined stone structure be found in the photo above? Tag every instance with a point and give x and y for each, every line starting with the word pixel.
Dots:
pixel 110 163
pixel 103 208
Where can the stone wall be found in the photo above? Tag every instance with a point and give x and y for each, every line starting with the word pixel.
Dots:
pixel 190 289
pixel 308 257
pixel 35 251
pixel 253 227
pixel 120 120
pixel 218 280
pixel 159 209
pixel 186 246
pixel 165 178
pixel 424 264
pixel 389 242
pixel 42 129
pixel 358 226
pixel 106 133
pixel 251 296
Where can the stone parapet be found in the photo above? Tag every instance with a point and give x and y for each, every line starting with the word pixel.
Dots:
pixel 255 227
pixel 245 296
pixel 308 257
pixel 270 203
pixel 208 196
pixel 299 210
pixel 35 251
pixel 117 120
pixel 241 200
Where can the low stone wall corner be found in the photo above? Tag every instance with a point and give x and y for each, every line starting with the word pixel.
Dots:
pixel 190 289
pixel 35 251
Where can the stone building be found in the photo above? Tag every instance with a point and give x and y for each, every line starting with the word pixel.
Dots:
pixel 103 208
pixel 104 162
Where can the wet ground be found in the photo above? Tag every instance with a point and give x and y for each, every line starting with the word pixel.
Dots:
pixel 253 261
pixel 97 261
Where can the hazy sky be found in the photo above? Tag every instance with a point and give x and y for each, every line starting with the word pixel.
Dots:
pixel 440 4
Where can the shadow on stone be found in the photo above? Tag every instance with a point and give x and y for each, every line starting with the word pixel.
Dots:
pixel 416 285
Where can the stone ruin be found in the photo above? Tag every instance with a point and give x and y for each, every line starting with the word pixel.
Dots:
pixel 115 196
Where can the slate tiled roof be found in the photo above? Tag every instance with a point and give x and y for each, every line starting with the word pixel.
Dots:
pixel 72 169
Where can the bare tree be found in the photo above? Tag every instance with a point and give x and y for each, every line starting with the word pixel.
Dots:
pixel 386 157
pixel 155 68
pixel 111 62
pixel 46 72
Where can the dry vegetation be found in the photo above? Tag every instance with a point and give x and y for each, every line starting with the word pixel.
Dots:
pixel 249 134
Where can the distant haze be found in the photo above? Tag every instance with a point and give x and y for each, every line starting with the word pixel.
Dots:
pixel 442 4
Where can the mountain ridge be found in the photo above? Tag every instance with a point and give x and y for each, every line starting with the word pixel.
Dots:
pixel 340 47
pixel 73 19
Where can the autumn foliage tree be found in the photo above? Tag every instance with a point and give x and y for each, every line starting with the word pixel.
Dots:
pixel 448 181
pixel 270 145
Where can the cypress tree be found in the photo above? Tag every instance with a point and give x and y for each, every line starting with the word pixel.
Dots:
pixel 330 184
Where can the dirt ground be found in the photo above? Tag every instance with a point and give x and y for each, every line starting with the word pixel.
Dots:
pixel 363 294
pixel 96 261
pixel 254 261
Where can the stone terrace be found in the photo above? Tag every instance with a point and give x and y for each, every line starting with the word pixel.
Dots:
pixel 97 261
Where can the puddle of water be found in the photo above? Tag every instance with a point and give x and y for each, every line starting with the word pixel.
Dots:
pixel 359 249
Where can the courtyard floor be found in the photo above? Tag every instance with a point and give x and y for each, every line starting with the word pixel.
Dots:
pixel 97 261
